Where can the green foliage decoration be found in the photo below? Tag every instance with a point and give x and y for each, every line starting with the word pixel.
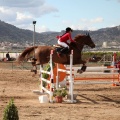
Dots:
pixel 45 75
pixel 10 112
pixel 60 92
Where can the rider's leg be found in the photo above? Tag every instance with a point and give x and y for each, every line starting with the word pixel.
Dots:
pixel 64 50
pixel 66 47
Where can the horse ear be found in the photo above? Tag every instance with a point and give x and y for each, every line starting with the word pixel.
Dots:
pixel 87 34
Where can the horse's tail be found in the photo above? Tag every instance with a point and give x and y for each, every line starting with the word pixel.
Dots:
pixel 27 51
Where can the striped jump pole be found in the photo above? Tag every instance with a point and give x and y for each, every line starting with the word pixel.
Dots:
pixel 108 73
pixel 71 78
pixel 51 77
pixel 68 72
pixel 50 82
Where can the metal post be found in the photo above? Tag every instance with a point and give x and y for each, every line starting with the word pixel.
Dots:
pixel 71 78
pixel 34 22
pixel 51 79
pixel 57 77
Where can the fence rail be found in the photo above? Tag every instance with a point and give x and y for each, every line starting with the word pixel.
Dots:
pixel 12 65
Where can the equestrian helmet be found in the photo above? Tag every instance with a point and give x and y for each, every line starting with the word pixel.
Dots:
pixel 68 29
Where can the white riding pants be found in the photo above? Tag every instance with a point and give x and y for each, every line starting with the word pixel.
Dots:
pixel 62 43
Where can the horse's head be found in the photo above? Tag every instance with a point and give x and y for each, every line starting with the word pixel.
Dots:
pixel 89 41
pixel 85 40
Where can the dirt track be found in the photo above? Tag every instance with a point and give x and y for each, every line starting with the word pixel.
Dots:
pixel 95 102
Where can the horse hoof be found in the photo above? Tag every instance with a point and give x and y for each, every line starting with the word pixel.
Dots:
pixel 35 71
pixel 33 75
pixel 79 71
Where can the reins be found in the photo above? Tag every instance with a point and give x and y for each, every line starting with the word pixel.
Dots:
pixel 77 48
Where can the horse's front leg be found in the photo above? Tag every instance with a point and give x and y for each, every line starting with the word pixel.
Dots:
pixel 83 68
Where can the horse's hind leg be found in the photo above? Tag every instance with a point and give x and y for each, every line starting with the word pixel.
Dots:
pixel 34 69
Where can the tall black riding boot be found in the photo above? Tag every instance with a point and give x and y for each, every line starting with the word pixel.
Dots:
pixel 64 50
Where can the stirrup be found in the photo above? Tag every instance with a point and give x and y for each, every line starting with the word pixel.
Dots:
pixel 59 54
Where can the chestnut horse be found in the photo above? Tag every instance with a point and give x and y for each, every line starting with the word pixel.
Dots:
pixel 42 53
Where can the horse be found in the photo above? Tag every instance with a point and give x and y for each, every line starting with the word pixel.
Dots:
pixel 42 53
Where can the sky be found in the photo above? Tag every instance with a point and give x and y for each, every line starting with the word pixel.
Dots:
pixel 56 15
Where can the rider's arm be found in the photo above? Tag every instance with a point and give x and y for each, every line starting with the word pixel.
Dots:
pixel 70 38
pixel 57 37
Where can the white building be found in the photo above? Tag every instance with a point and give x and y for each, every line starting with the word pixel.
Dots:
pixel 104 45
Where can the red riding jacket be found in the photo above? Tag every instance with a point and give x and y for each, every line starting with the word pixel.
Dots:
pixel 65 37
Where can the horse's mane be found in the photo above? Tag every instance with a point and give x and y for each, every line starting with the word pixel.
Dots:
pixel 78 36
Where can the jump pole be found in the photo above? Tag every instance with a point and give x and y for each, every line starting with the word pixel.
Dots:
pixel 57 77
pixel 70 78
pixel 51 78
pixel 50 92
pixel 112 69
pixel 113 75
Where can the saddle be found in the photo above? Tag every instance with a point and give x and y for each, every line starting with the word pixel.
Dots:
pixel 60 49
pixel 58 46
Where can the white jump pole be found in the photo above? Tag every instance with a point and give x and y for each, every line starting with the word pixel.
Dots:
pixel 48 82
pixel 57 77
pixel 41 81
pixel 52 76
pixel 71 78
pixel 113 59
pixel 95 82
pixel 96 69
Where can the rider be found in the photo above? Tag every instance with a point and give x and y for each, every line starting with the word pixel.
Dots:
pixel 7 56
pixel 62 40
pixel 94 57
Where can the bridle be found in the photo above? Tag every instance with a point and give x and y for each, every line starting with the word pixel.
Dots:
pixel 77 47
